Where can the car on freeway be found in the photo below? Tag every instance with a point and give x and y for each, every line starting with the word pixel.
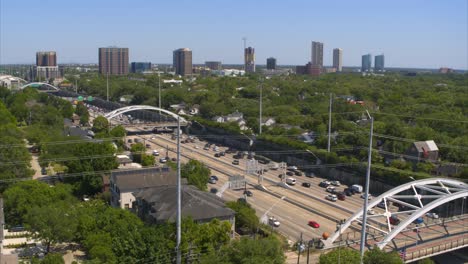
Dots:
pixel 381 205
pixel 341 196
pixel 309 174
pixel 130 141
pixel 330 189
pixel 335 183
pixel 348 193
pixel 290 173
pixel 213 190
pixel 222 154
pixel 324 184
pixel 274 222
pixel 331 197
pixel 313 224
pixel 216 148
pixel 364 195
pixel 418 221
pixel 162 160
pixel 306 184
pixel 371 212
pixel 291 181
pixel 174 159
pixel 235 162
pixel 148 146
pixel 248 193
pixel 432 215
pixel 214 177
pixel 350 190
pixel 394 220
pixel 155 153
pixel 196 147
pixel 298 173
pixel 292 168
pixel 217 155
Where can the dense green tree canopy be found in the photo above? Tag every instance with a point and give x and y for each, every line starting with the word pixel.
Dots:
pixel 196 173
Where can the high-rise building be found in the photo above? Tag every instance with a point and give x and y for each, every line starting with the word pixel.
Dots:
pixel 46 58
pixel 139 67
pixel 379 63
pixel 214 65
pixel 338 59
pixel 249 59
pixel 317 53
pixel 46 66
pixel 271 63
pixel 366 63
pixel 113 60
pixel 182 61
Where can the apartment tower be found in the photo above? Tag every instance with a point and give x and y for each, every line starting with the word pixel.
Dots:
pixel 113 61
pixel 182 61
pixel 338 59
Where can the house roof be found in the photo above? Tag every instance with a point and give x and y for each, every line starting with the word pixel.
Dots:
pixel 135 179
pixel 428 145
pixel 195 203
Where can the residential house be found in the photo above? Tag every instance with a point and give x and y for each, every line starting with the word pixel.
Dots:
pixel 423 151
pixel 234 117
pixel 195 109
pixel 123 183
pixel 308 137
pixel 159 205
pixel 269 121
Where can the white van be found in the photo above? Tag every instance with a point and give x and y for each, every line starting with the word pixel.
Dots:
pixel 155 153
pixel 291 181
pixel 357 188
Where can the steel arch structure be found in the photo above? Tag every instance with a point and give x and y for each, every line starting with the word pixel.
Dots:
pixel 412 200
pixel 39 83
pixel 126 109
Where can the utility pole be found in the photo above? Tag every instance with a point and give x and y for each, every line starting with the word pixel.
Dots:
pixel 329 123
pixel 299 250
pixel 364 215
pixel 261 100
pixel 107 83
pixel 159 94
pixel 179 202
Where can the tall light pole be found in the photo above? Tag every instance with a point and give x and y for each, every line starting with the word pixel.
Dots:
pixel 329 123
pixel 179 202
pixel 364 215
pixel 261 99
pixel 159 94
pixel 108 82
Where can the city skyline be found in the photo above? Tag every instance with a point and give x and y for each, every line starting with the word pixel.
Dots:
pixel 408 41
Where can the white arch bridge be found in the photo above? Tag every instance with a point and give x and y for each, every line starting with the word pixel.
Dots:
pixel 50 87
pixel 396 210
pixel 123 110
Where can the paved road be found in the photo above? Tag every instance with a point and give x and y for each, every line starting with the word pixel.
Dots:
pixel 293 218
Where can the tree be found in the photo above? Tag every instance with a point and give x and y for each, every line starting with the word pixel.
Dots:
pixel 345 255
pixel 138 150
pixel 54 258
pixel 118 131
pixel 196 173
pixel 20 198
pixel 245 215
pixel 247 250
pixel 100 124
pixel 426 261
pixel 377 256
pixel 53 223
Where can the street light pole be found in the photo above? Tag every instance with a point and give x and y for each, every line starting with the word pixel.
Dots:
pixel 260 124
pixel 159 94
pixel 364 215
pixel 179 202
pixel 329 123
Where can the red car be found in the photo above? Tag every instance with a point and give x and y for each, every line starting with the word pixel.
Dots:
pixel 314 224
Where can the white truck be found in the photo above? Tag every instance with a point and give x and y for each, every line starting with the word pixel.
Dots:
pixel 357 188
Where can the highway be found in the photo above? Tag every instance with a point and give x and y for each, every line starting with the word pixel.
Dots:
pixel 298 206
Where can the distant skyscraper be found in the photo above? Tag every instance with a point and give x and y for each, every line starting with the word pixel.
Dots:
pixel 46 66
pixel 317 53
pixel 379 63
pixel 271 63
pixel 139 67
pixel 182 61
pixel 214 65
pixel 46 58
pixel 249 59
pixel 338 59
pixel 113 60
pixel 366 63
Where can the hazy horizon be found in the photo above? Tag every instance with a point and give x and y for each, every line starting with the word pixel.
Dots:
pixel 415 34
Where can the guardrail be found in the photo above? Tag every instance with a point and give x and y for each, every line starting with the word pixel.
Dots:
pixel 435 250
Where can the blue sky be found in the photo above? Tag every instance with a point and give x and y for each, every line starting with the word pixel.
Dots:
pixel 416 33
